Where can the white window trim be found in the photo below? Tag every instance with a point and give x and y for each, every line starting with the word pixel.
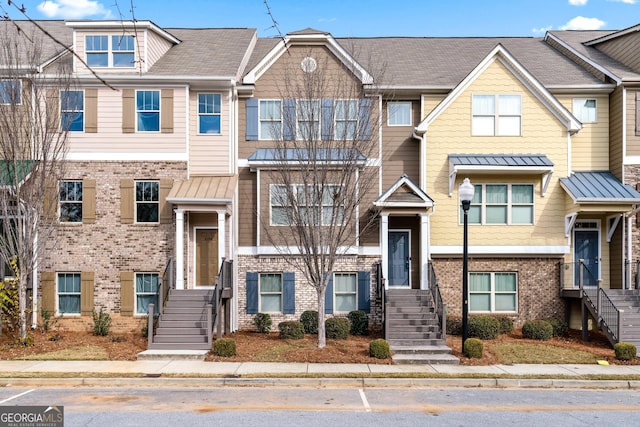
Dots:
pixel 509 204
pixel 113 52
pixel 335 119
pixel 271 223
pixel 493 293
pixel 110 51
pixel 83 111
pixel 209 114
pixel 496 114
pixel 135 292
pixel 19 91
pixel 135 100
pixel 318 117
pixel 260 120
pixel 335 293
pixel 135 201
pixel 57 313
pixel 573 109
pixel 389 113
pixel 271 293
pixel 60 202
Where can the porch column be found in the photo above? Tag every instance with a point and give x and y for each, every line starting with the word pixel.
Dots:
pixel 384 243
pixel 424 251
pixel 179 249
pixel 221 236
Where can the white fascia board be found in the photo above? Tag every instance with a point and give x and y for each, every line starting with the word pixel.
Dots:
pixel 196 201
pixel 294 251
pixel 118 25
pixel 110 156
pixel 515 250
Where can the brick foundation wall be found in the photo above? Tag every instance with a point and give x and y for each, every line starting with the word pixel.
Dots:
pixel 306 295
pixel 538 285
pixel 119 324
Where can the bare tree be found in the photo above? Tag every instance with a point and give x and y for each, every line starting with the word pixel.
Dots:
pixel 32 150
pixel 324 137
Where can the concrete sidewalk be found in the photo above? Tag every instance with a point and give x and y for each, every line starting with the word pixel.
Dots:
pixel 181 372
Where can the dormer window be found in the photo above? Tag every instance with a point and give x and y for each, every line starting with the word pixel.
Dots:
pixel 115 51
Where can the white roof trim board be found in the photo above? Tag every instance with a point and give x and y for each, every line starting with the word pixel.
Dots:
pixel 425 200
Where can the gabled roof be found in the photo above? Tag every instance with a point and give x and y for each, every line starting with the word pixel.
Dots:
pixel 261 60
pixel 28 32
pixel 122 25
pixel 614 35
pixel 600 187
pixel 499 53
pixel 404 193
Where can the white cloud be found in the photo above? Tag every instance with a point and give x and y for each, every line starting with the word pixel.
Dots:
pixel 577 2
pixel 73 9
pixel 541 30
pixel 327 19
pixel 582 23
pixel 625 1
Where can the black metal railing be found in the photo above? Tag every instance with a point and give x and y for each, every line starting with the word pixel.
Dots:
pixel 439 305
pixel 223 290
pixel 166 283
pixel 380 295
pixel 610 315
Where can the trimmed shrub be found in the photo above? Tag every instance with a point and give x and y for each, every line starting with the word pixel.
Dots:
pixel 337 328
pixel 560 327
pixel 224 347
pixel 359 322
pixel 263 322
pixel 625 351
pixel 505 324
pixel 454 325
pixel 101 323
pixel 309 320
pixel 291 330
pixel 473 347
pixel 379 349
pixel 537 330
pixel 484 327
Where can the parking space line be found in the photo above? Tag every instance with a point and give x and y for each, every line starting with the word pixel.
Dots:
pixel 16 396
pixel 365 402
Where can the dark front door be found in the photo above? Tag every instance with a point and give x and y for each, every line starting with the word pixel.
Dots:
pixel 586 248
pixel 399 259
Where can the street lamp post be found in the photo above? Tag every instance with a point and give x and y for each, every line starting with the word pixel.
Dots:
pixel 465 193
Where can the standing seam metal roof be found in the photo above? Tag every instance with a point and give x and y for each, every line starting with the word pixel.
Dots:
pixel 514 160
pixel 599 186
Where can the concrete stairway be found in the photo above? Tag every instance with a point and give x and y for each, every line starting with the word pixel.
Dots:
pixel 412 329
pixel 629 302
pixel 183 324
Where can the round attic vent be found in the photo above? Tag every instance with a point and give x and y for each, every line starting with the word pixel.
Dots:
pixel 308 65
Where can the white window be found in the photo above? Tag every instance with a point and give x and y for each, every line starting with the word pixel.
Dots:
pixel 270 293
pixel 270 119
pixel 346 119
pixel 115 51
pixel 147 201
pixel 10 92
pixel 209 113
pixel 146 292
pixel 496 115
pixel 68 293
pixel 399 114
pixel 70 201
pixel 585 110
pixel 72 110
pixel 300 204
pixel 308 119
pixel 501 204
pixel 345 290
pixel 493 292
pixel 148 110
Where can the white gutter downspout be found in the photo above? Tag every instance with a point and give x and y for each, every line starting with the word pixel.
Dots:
pixel 629 253
pixel 423 160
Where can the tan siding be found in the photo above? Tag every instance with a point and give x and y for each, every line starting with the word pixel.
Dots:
pixel 616 132
pixel 156 47
pixel 88 201
pixel 246 209
pixel 451 133
pixel 624 49
pixel 400 151
pixel 80 49
pixel 633 140
pixel 209 154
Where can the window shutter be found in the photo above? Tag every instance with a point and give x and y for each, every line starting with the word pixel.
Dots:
pixel 48 281
pixel 289 292
pixel 328 297
pixel 128 111
pixel 638 113
pixel 50 200
pixel 252 119
pixel 126 201
pixel 53 110
pixel 364 291
pixel 126 293
pixel 327 119
pixel 252 293
pixel 289 117
pixel 166 111
pixel 364 118
pixel 88 201
pixel 166 208
pixel 91 110
pixel 86 293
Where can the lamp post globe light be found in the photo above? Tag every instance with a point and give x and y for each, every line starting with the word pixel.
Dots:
pixel 465 193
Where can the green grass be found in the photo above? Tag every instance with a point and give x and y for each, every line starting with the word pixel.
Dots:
pixel 80 352
pixel 511 353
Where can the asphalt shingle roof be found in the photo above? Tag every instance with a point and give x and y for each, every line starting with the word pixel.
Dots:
pixel 31 39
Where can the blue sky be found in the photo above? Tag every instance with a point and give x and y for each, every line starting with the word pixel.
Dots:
pixel 355 18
